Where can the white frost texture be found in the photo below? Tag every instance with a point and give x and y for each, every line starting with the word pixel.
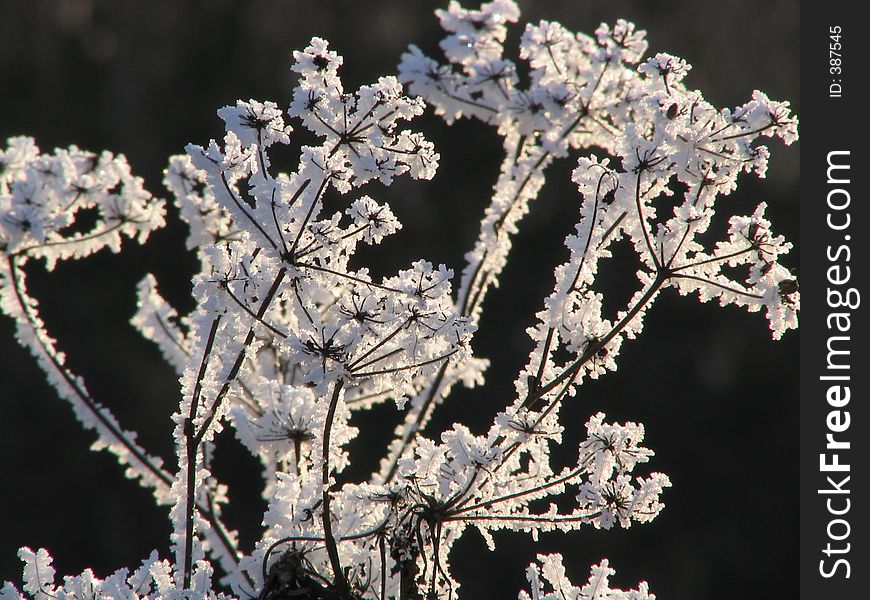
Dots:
pixel 292 336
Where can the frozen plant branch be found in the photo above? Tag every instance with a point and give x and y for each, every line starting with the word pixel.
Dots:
pixel 290 338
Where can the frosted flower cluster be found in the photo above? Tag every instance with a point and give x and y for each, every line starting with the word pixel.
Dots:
pixel 42 195
pixel 291 337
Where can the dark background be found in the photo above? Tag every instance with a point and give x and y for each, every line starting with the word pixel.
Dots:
pixel 718 397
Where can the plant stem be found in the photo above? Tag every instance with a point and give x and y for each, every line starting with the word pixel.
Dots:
pixel 331 545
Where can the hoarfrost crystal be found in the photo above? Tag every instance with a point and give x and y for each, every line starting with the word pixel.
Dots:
pixel 290 339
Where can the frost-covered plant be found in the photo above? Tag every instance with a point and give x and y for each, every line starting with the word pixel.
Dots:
pixel 290 337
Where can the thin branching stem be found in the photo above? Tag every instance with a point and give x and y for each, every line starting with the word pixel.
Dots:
pixel 331 545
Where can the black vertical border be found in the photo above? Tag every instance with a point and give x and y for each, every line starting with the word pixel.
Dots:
pixel 833 124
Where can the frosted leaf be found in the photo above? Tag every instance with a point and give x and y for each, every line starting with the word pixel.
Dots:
pixel 374 220
pixel 157 321
pixel 671 69
pixel 208 222
pixel 623 41
pixel 623 501
pixel 549 581
pixel 318 65
pixel 9 592
pixel 612 447
pixel 476 34
pixel 38 572
pixel 256 123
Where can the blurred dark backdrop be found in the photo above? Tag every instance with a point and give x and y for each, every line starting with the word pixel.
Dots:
pixel 719 399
